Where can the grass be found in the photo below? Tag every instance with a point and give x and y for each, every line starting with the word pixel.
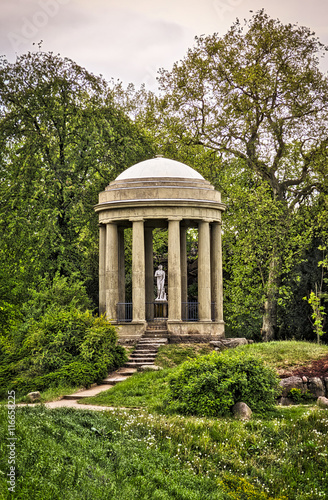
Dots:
pixel 172 355
pixel 141 390
pixel 51 394
pixel 146 455
pixel 286 355
pixel 123 455
pixel 148 389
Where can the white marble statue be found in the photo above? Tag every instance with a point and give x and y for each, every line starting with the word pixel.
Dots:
pixel 160 275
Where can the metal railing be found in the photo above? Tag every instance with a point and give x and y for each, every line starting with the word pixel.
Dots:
pixel 189 311
pixel 158 311
pixel 124 312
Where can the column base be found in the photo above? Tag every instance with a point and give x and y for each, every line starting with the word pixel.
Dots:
pixel 204 328
pixel 131 332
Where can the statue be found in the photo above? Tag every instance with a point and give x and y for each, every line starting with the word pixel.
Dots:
pixel 160 275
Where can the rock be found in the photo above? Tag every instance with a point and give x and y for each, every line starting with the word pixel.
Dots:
pixel 326 384
pixel 220 345
pixel 149 368
pixel 305 380
pixel 316 387
pixel 33 396
pixel 322 402
pixel 285 401
pixel 242 411
pixel 291 383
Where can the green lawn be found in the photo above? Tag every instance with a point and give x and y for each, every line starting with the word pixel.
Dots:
pixel 145 454
pixel 124 455
pixel 148 389
pixel 141 390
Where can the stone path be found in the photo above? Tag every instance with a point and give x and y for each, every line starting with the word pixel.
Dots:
pixel 144 354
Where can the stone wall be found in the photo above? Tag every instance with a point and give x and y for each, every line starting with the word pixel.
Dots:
pixel 317 386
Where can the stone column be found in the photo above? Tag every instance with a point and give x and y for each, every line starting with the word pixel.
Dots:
pixel 138 271
pixel 174 271
pixel 204 271
pixel 216 271
pixel 111 270
pixel 184 271
pixel 121 265
pixel 149 263
pixel 102 269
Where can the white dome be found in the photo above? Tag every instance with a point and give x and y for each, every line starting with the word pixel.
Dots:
pixel 159 167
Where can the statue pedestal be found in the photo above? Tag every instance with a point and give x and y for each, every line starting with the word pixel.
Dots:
pixel 160 309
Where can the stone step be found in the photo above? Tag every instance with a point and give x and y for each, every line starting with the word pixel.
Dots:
pixel 147 345
pixel 113 380
pixel 140 359
pixel 146 351
pixel 86 393
pixel 156 334
pixel 143 358
pixel 136 364
pixel 125 371
pixel 153 340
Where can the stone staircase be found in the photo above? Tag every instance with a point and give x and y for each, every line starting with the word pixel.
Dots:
pixel 144 354
pixel 147 348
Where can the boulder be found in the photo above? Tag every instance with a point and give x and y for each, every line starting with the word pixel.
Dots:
pixel 242 411
pixel 289 383
pixel 285 401
pixel 322 402
pixel 316 387
pixel 33 396
pixel 326 384
pixel 220 345
pixel 149 368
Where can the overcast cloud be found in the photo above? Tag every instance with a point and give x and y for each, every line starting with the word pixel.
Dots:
pixel 130 40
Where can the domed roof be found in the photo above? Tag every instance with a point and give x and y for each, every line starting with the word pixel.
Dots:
pixel 159 167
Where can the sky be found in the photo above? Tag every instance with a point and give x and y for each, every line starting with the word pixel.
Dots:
pixel 129 40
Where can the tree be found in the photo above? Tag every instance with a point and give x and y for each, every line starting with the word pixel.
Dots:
pixel 257 95
pixel 62 140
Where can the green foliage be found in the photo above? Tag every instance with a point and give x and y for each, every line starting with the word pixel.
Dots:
pixel 62 140
pixel 299 396
pixel 149 389
pixel 75 454
pixel 171 355
pixel 318 313
pixel 141 390
pixel 62 346
pixel 252 105
pixel 123 455
pixel 238 488
pixel 210 385
pixel 61 292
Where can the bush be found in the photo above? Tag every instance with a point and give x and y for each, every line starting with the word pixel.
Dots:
pixel 298 397
pixel 65 346
pixel 210 385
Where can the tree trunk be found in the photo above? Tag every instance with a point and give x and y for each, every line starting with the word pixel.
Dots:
pixel 269 325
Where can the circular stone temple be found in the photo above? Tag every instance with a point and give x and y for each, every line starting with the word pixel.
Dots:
pixel 160 193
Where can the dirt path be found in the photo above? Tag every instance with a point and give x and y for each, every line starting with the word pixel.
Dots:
pixel 70 403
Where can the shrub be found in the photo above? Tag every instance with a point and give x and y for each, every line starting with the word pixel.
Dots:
pixel 298 397
pixel 210 385
pixel 65 346
pixel 239 488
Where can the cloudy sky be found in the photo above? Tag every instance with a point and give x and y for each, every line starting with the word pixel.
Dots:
pixel 130 39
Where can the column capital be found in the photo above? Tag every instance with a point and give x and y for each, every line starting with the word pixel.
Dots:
pixel 174 218
pixel 136 219
pixel 206 219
